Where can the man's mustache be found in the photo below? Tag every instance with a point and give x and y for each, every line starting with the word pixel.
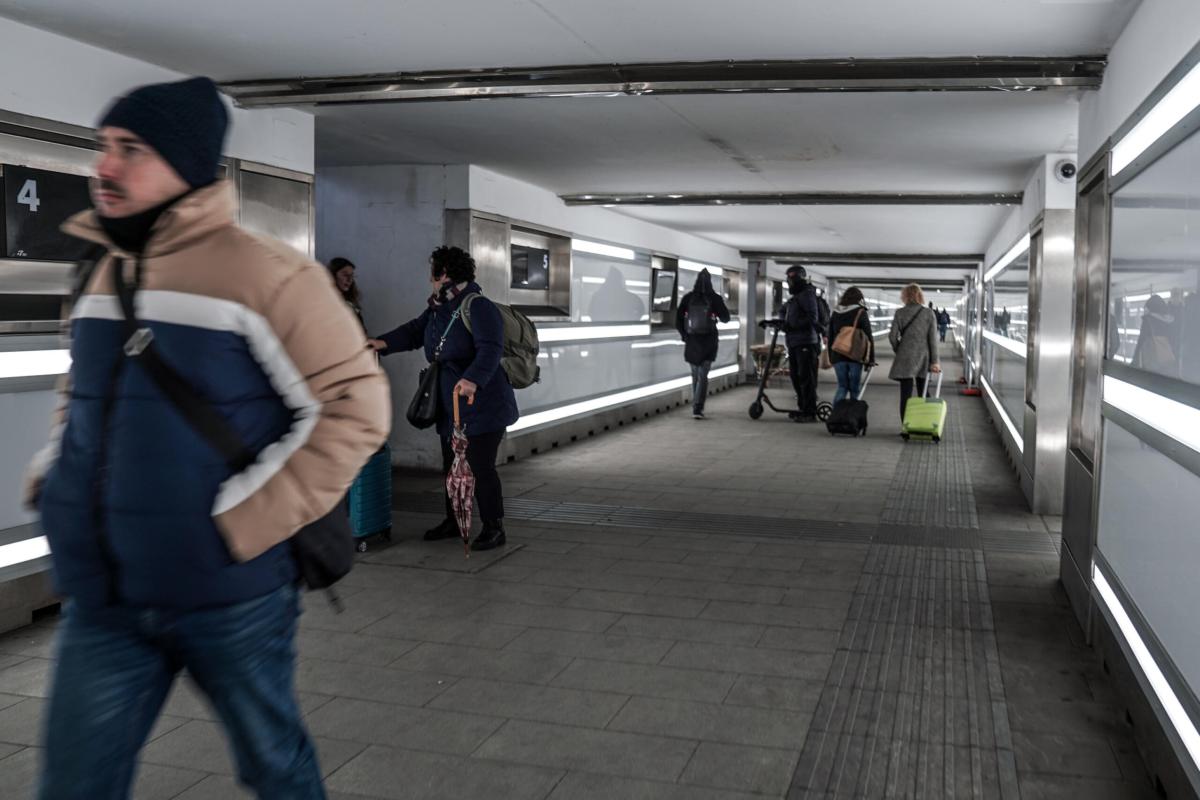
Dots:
pixel 106 185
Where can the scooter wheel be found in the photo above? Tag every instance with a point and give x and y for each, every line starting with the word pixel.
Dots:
pixel 361 546
pixel 824 411
pixel 756 410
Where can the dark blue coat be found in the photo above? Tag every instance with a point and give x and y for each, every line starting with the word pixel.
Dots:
pixel 474 355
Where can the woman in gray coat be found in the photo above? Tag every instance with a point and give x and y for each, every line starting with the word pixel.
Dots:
pixel 914 339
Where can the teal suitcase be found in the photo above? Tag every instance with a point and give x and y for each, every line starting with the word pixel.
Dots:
pixel 371 499
pixel 925 417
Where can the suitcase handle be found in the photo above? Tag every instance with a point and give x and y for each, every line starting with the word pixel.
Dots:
pixel 928 380
pixel 862 387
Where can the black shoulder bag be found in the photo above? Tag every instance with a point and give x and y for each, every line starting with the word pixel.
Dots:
pixel 426 405
pixel 323 550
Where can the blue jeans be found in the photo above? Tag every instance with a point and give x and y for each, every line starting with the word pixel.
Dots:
pixel 116 666
pixel 700 386
pixel 849 373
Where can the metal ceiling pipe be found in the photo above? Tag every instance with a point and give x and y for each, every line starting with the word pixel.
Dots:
pixel 968 73
pixel 797 199
pixel 960 261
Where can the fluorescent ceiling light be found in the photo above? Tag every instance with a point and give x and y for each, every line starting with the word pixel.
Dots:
pixel 598 249
pixel 608 401
pixel 696 266
pixel 1170 417
pixel 1003 414
pixel 1166 113
pixel 1012 255
pixel 31 363
pixel 25 550
pixel 575 333
pixel 1184 727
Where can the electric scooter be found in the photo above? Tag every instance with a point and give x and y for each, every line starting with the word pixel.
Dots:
pixel 824 407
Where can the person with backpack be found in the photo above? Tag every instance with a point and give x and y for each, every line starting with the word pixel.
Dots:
pixel 697 317
pixel 169 557
pixel 913 337
pixel 943 324
pixel 805 318
pixel 465 333
pixel 851 312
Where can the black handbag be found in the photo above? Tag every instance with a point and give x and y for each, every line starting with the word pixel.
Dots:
pixel 323 550
pixel 426 405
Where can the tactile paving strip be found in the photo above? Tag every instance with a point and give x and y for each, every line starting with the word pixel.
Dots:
pixel 913 706
pixel 932 485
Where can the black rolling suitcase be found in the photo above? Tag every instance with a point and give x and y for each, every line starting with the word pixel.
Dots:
pixel 849 417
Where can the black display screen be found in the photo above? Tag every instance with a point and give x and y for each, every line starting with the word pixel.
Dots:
pixel 36 203
pixel 530 267
pixel 664 290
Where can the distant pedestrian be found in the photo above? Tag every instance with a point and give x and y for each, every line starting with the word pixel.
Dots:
pixel 851 310
pixel 943 324
pixel 699 312
pixel 343 276
pixel 913 337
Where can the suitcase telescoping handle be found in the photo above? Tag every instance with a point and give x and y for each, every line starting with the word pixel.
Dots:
pixel 928 380
pixel 862 387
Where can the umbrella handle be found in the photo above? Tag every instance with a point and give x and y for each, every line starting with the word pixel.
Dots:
pixel 470 402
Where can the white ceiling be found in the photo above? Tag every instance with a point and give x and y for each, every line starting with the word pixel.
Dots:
pixel 972 142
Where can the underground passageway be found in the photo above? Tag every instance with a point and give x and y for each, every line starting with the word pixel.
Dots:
pixel 691 609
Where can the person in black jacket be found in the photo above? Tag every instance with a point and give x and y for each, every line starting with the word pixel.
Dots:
pixel 696 321
pixel 804 321
pixel 852 310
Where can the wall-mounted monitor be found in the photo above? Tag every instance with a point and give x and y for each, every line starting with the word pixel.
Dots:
pixel 530 267
pixel 663 290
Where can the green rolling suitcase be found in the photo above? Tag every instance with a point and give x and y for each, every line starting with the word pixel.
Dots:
pixel 925 416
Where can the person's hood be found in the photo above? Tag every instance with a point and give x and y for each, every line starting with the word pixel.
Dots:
pixel 703 283
pixel 851 307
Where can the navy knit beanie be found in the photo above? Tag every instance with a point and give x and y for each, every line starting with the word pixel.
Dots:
pixel 184 122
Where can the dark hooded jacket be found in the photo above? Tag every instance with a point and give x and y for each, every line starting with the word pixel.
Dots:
pixel 699 348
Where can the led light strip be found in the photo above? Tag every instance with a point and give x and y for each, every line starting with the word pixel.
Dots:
pixel 732 325
pixel 26 550
pixel 1003 414
pixel 1166 114
pixel 1182 722
pixel 1011 345
pixel 696 266
pixel 1179 421
pixel 31 363
pixel 1009 257
pixel 598 249
pixel 653 345
pixel 591 333
pixel 610 400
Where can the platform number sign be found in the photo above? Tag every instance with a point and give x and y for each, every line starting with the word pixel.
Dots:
pixel 36 203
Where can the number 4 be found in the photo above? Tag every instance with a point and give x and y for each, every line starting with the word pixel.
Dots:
pixel 28 195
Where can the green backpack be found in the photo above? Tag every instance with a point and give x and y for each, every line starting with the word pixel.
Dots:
pixel 519 361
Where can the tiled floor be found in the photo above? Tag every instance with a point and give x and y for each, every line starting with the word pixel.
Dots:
pixel 696 610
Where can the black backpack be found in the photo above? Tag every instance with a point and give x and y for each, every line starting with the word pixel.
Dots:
pixel 699 316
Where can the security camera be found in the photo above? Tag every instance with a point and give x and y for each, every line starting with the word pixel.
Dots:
pixel 1065 170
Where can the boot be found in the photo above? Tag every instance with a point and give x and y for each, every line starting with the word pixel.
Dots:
pixel 491 536
pixel 446 529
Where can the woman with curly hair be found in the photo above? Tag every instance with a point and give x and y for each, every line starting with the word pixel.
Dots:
pixel 470 365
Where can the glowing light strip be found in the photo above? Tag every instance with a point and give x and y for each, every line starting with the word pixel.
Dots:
pixel 592 279
pixel 652 345
pixel 1141 298
pixel 610 400
pixel 1166 114
pixel 880 332
pixel 1170 417
pixel 1003 414
pixel 598 249
pixel 26 550
pixel 1009 257
pixel 1011 345
pixel 1180 720
pixel 591 333
pixel 732 325
pixel 696 266
pixel 30 363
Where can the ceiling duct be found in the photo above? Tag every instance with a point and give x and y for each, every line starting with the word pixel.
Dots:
pixel 796 199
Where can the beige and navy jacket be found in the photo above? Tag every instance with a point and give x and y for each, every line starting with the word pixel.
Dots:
pixel 138 507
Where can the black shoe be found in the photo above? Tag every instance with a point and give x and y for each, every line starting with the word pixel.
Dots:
pixel 794 415
pixel 697 415
pixel 805 419
pixel 490 537
pixel 446 529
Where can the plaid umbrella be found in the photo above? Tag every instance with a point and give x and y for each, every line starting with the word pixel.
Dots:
pixel 460 482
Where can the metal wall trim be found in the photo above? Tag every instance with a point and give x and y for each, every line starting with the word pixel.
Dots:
pixel 965 261
pixel 964 73
pixel 795 199
pixel 275 172
pixel 1171 388
pixel 1173 449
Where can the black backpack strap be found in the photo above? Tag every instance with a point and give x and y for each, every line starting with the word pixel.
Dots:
pixel 84 269
pixel 200 415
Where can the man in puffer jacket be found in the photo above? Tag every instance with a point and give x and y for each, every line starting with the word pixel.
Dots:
pixel 168 560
